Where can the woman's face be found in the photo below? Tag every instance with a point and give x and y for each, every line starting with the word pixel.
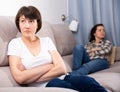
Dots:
pixel 27 26
pixel 100 32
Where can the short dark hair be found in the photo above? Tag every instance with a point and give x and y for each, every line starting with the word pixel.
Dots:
pixel 30 12
pixel 93 30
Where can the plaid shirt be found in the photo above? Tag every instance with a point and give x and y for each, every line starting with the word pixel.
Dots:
pixel 105 48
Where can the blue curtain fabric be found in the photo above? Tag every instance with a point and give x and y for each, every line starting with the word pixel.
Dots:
pixel 91 12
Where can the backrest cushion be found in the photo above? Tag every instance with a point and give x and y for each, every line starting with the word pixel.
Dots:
pixel 64 39
pixel 46 31
pixel 8 31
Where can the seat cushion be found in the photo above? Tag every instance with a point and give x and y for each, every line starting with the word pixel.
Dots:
pixel 6 79
pixel 34 89
pixel 109 80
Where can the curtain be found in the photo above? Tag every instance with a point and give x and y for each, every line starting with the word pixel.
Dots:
pixel 91 12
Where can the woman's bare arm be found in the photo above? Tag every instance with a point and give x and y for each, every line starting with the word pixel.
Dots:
pixel 24 76
pixel 57 70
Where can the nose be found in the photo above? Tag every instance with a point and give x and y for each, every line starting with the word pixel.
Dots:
pixel 103 32
pixel 27 24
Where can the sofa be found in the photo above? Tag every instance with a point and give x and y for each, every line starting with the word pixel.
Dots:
pixel 64 42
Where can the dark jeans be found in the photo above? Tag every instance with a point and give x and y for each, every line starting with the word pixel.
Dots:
pixel 82 65
pixel 80 83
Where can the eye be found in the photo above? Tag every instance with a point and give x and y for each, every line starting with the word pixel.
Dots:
pixel 23 21
pixel 31 21
pixel 102 30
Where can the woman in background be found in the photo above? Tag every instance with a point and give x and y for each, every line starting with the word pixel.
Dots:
pixel 36 62
pixel 93 56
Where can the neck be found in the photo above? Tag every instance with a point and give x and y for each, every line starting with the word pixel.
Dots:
pixel 97 40
pixel 29 39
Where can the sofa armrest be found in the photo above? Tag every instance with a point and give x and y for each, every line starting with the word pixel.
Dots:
pixel 112 55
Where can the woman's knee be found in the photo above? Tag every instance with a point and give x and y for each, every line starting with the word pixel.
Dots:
pixel 78 47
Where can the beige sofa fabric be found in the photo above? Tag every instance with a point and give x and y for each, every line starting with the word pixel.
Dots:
pixel 64 39
pixel 109 80
pixel 34 89
pixel 7 32
pixel 117 58
pixel 46 30
pixel 68 62
pixel 112 55
pixel 6 79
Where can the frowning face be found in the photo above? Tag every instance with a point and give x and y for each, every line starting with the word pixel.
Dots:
pixel 27 26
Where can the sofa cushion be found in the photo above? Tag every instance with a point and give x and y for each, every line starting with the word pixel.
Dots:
pixel 112 55
pixel 109 80
pixel 35 89
pixel 8 31
pixel 6 79
pixel 68 62
pixel 64 39
pixel 117 58
pixel 46 31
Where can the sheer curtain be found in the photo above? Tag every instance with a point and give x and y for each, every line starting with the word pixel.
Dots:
pixel 91 12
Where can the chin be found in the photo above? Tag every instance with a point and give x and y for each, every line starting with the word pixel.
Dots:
pixel 27 35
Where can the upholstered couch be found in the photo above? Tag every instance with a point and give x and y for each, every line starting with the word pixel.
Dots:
pixel 64 41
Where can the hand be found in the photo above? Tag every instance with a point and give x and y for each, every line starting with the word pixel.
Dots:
pixel 95 49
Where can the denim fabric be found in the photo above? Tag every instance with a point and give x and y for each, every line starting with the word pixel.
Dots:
pixel 79 83
pixel 79 56
pixel 82 65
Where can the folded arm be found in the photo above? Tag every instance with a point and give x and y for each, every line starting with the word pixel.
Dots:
pixel 25 76
pixel 106 49
pixel 103 50
pixel 57 69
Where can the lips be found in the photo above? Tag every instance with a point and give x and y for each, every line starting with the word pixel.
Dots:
pixel 28 31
